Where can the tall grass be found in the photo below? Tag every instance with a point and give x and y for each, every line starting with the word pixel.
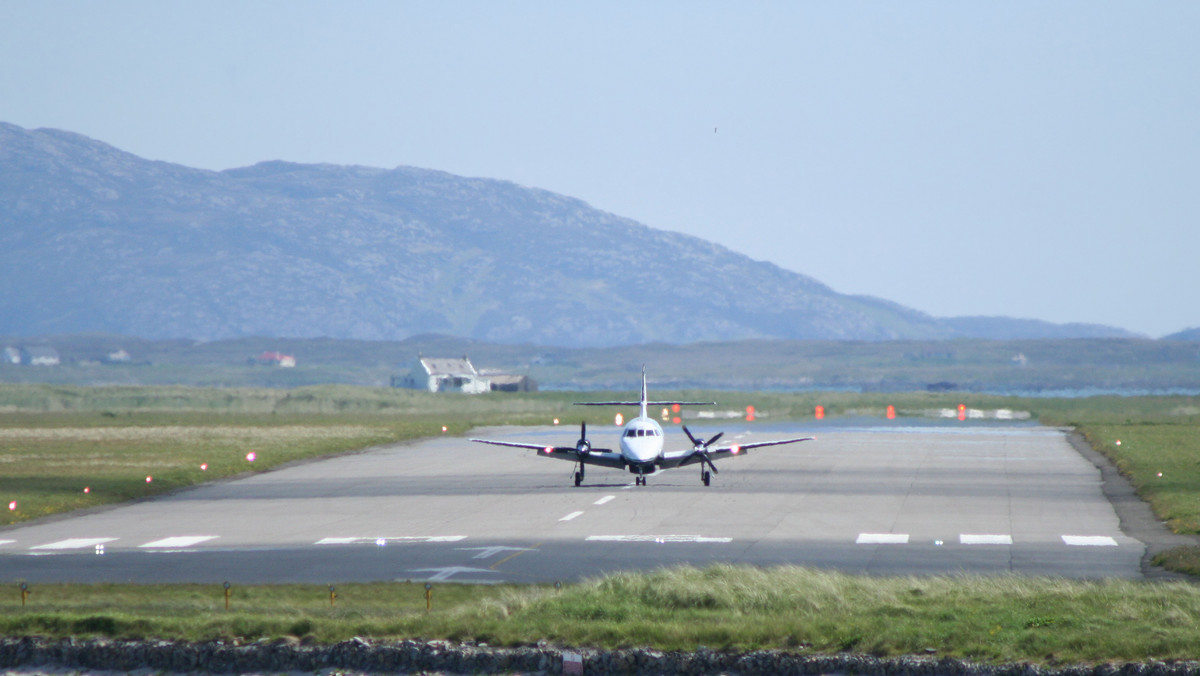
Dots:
pixel 990 619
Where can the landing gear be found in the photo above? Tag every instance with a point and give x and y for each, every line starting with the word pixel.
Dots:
pixel 705 476
pixel 641 480
pixel 579 476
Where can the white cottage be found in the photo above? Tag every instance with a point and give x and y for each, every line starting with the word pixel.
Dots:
pixel 443 374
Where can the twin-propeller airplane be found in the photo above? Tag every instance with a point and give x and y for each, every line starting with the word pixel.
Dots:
pixel 641 447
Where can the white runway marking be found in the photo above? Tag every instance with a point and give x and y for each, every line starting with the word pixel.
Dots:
pixel 1089 541
pixel 882 539
pixel 985 539
pixel 178 542
pixel 570 516
pixel 441 574
pixel 74 543
pixel 488 552
pixel 656 538
pixel 6 542
pixel 604 499
pixel 390 540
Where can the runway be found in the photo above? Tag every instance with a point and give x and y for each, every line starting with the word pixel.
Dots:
pixel 865 497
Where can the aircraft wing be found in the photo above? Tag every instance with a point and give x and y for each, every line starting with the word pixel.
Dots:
pixel 691 456
pixel 596 456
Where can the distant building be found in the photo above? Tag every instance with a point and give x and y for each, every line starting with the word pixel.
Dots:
pixel 118 357
pixel 286 361
pixel 40 355
pixel 443 374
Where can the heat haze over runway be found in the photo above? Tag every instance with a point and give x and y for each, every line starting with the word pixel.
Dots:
pixel 900 498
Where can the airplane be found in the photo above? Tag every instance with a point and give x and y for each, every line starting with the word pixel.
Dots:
pixel 641 446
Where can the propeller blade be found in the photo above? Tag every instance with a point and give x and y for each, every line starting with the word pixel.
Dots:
pixel 714 439
pixel 708 461
pixel 583 431
pixel 690 437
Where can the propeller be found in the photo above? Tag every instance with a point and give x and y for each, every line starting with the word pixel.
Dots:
pixel 700 446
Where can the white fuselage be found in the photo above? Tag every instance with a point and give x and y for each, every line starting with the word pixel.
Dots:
pixel 642 441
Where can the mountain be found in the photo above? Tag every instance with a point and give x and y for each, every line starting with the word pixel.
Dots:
pixel 1188 335
pixel 93 239
pixel 1007 328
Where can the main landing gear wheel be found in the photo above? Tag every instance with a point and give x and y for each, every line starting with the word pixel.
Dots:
pixel 578 478
pixel 705 476
pixel 641 481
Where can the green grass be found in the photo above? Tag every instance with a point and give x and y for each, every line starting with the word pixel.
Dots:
pixel 56 440
pixel 988 619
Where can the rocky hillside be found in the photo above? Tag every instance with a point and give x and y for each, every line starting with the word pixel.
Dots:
pixel 93 239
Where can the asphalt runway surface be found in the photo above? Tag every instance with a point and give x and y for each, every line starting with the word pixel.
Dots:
pixel 891 499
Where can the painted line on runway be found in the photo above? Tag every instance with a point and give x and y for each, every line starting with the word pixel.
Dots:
pixel 178 542
pixel 604 500
pixel 882 539
pixel 512 556
pixel 985 539
pixel 570 516
pixel 73 543
pixel 1089 541
pixel 391 540
pixel 6 542
pixel 660 539
pixel 441 574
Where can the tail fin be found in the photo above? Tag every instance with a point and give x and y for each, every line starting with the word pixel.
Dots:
pixel 645 398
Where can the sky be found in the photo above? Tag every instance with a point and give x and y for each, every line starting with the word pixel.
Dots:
pixel 1028 159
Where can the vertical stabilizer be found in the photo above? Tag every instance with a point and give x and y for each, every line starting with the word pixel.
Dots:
pixel 644 397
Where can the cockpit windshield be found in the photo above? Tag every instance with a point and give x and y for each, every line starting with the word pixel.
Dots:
pixel 641 433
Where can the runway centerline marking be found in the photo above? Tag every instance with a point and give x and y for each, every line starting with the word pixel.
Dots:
pixel 1089 541
pixel 178 542
pixel 882 539
pixel 6 542
pixel 604 500
pixel 570 516
pixel 985 539
pixel 74 543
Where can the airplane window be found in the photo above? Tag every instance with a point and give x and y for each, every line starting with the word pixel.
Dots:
pixel 641 433
pixel 630 433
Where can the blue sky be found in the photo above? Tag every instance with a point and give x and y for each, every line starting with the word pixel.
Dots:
pixel 1027 159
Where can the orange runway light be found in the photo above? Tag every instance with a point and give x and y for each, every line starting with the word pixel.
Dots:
pixel 819 412
pixel 891 412
pixel 750 413
pixel 962 411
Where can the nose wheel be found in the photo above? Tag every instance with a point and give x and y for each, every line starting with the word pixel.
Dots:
pixel 705 476
pixel 579 476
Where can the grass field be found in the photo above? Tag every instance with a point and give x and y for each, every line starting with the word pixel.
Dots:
pixel 992 619
pixel 56 441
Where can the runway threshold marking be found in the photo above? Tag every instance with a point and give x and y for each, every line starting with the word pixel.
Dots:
pixel 985 539
pixel 389 540
pixel 882 539
pixel 660 539
pixel 73 543
pixel 178 542
pixel 1089 541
